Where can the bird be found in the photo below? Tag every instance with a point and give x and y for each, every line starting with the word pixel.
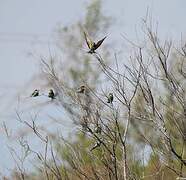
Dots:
pixel 98 129
pixel 51 94
pixel 35 93
pixel 81 89
pixel 92 45
pixel 110 98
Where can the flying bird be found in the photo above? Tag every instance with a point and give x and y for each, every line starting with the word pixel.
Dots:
pixel 51 94
pixel 81 89
pixel 91 44
pixel 35 93
pixel 110 98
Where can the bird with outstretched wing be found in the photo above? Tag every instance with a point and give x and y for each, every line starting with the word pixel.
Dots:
pixel 91 44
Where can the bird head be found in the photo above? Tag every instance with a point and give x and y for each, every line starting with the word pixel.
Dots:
pixel 50 90
pixel 81 89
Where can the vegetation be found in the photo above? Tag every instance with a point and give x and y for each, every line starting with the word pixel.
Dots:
pixel 129 113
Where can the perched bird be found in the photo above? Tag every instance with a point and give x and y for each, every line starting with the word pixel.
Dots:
pixel 51 94
pixel 98 129
pixel 81 89
pixel 110 98
pixel 92 45
pixel 35 93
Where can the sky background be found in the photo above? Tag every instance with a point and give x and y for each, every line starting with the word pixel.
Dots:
pixel 29 27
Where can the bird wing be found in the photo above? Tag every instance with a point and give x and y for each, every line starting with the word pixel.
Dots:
pixel 100 42
pixel 88 41
pixel 33 93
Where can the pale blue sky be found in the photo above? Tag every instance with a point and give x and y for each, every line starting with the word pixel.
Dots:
pixel 23 24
